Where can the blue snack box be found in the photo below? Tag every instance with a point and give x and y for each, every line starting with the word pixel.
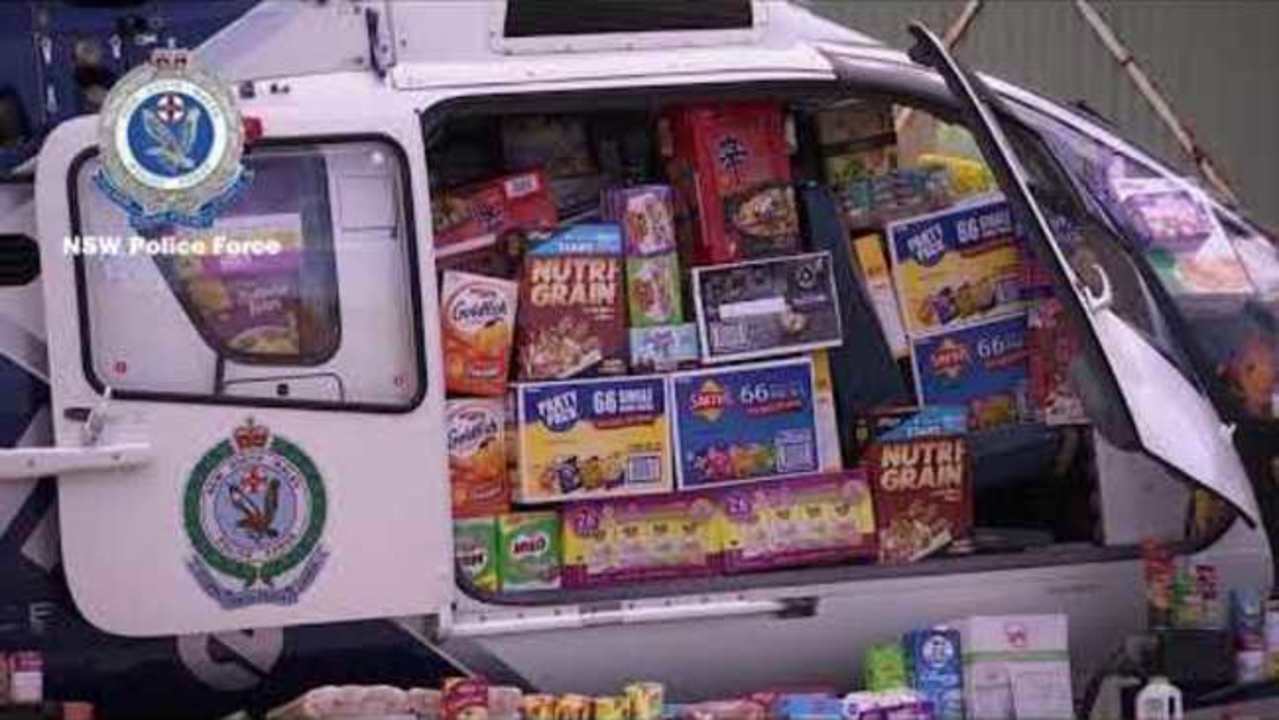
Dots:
pixel 935 666
pixel 984 368
pixel 744 423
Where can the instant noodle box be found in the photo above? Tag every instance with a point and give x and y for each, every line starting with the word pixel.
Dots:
pixel 745 423
pixel 477 456
pixel 982 367
pixel 645 538
pixel 762 308
pixel 478 321
pixel 731 165
pixel 956 266
pixel 572 320
pixel 798 521
pixel 922 490
pixel 593 438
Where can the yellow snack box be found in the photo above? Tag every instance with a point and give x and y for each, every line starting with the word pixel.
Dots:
pixel 957 266
pixel 582 439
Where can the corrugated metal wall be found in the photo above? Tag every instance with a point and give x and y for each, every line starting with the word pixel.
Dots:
pixel 1216 60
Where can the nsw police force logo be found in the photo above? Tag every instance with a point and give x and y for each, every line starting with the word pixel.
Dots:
pixel 254 509
pixel 171 139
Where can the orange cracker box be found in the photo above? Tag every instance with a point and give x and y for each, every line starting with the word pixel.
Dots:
pixel 477 315
pixel 477 456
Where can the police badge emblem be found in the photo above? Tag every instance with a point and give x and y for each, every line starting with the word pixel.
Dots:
pixel 254 509
pixel 171 139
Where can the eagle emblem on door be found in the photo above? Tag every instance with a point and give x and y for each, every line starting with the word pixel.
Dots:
pixel 171 140
pixel 254 508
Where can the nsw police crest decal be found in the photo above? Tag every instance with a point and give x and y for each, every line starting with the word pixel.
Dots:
pixel 254 509
pixel 171 140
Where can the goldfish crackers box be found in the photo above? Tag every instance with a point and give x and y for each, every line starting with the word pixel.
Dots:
pixel 593 438
pixel 923 496
pixel 572 317
pixel 798 521
pixel 477 317
pixel 642 538
pixel 731 170
pixel 957 266
pixel 528 548
pixel 476 431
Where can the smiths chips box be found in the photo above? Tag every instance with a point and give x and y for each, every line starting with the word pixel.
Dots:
pixel 744 423
pixel 731 172
pixel 956 266
pixel 766 308
pixel 572 320
pixel 923 496
pixel 981 367
pixel 593 438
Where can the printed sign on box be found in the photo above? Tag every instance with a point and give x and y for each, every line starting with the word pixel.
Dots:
pixel 593 438
pixel 745 423
pixel 981 367
pixel 767 307
pixel 956 266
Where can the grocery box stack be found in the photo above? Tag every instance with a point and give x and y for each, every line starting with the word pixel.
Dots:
pixel 637 353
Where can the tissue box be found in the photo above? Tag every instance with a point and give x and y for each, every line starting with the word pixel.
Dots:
pixel 1016 666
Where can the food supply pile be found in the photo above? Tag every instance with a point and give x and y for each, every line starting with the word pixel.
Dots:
pixel 1013 666
pixel 668 353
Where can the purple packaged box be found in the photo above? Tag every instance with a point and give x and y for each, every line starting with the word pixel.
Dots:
pixel 646 214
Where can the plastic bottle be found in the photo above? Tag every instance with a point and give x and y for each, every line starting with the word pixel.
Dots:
pixel 1159 700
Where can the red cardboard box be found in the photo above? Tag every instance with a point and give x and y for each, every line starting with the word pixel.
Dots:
pixel 477 216
pixel 730 165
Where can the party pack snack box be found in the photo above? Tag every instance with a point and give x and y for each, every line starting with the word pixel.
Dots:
pixel 982 367
pixel 571 316
pixel 767 307
pixel 798 521
pixel 593 438
pixel 748 422
pixel 643 538
pixel 956 266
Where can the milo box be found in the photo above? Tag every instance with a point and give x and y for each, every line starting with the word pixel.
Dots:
pixel 475 547
pixel 529 551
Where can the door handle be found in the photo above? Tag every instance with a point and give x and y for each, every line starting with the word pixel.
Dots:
pixel 38 462
pixel 1104 298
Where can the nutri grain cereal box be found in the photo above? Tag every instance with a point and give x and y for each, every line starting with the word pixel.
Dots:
pixel 593 438
pixel 730 163
pixel 744 423
pixel 923 496
pixel 477 317
pixel 478 215
pixel 797 521
pixel 981 367
pixel 632 539
pixel 475 548
pixel 477 456
pixel 528 546
pixel 572 318
pixel 957 266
